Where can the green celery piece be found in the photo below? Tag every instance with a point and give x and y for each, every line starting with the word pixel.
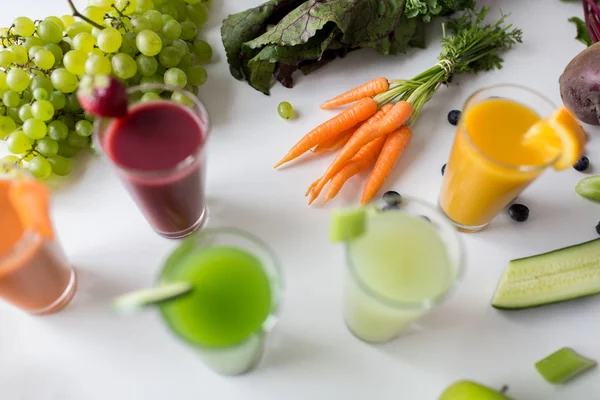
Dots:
pixel 347 224
pixel 563 365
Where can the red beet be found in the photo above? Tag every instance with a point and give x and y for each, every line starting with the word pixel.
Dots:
pixel 103 96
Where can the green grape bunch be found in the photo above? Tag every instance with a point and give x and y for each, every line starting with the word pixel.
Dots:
pixel 42 62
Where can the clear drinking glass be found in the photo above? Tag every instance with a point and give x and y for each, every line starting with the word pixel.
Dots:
pixel 172 199
pixel 408 261
pixel 477 186
pixel 217 270
pixel 35 275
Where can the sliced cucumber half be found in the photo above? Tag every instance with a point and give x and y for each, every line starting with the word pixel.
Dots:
pixel 563 365
pixel 560 275
pixel 143 298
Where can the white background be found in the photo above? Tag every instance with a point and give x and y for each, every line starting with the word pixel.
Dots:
pixel 86 352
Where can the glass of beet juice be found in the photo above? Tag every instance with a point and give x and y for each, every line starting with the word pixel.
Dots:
pixel 158 150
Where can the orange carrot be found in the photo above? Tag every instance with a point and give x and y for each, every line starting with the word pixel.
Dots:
pixel 315 190
pixel 393 148
pixel 361 161
pixel 312 185
pixel 368 89
pixel 391 121
pixel 331 145
pixel 332 128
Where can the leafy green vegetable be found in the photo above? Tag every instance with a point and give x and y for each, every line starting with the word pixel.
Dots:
pixel 582 33
pixel 280 37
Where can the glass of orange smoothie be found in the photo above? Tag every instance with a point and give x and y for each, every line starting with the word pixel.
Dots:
pixel 34 273
pixel 492 160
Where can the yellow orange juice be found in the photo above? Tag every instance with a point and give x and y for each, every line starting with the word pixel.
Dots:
pixel 489 163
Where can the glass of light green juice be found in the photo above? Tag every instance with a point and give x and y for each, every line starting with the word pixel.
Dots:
pixel 407 261
pixel 235 299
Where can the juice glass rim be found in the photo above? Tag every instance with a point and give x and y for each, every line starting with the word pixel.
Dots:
pixel 275 280
pixel 519 168
pixel 459 263
pixel 199 112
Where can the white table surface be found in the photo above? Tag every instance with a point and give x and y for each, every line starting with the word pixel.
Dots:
pixel 86 352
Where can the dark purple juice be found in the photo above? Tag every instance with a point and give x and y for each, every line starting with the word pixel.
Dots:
pixel 159 147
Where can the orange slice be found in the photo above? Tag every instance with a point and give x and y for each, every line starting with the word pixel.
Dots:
pixel 558 137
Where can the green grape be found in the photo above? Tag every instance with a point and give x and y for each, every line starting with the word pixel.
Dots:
pixel 84 128
pixel 160 70
pixel 146 66
pixel 196 75
pixel 77 141
pixel 32 41
pixel 42 109
pixel 148 43
pixel 44 59
pixel 169 57
pixel 285 110
pixel 11 99
pixel 155 19
pixel 7 125
pixel 180 6
pixel 40 94
pixel 58 130
pixel 18 142
pixel 103 4
pixel 60 165
pixel 202 50
pixel 65 46
pixel 25 112
pixel 165 42
pixel 181 47
pixel 40 81
pixel 94 13
pixel 188 30
pixel 89 117
pixel 159 2
pixel 169 9
pixel 166 18
pixel 77 27
pixel 84 42
pixel 20 53
pixel 33 50
pixel 97 64
pixel 67 20
pixel 2 108
pixel 124 66
pixel 151 79
pixel 49 32
pixel 3 85
pixel 28 157
pixel 55 50
pixel 13 112
pixel 26 96
pixel 74 62
pixel 192 1
pixel 140 23
pixel 171 30
pixel 95 32
pixel 64 81
pixel 48 147
pixel 57 21
pixel 67 119
pixel 10 159
pixel 197 13
pixel 17 79
pixel 181 98
pixel 143 6
pixel 7 57
pixel 127 7
pixel 96 51
pixel 40 167
pixel 150 97
pixel 58 100
pixel 72 106
pixel 175 77
pixel 109 40
pixel 66 150
pixel 34 128
pixel 23 26
pixel 187 61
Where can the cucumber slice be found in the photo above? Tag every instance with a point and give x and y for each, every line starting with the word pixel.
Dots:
pixel 151 297
pixel 560 275
pixel 563 365
pixel 589 188
pixel 347 224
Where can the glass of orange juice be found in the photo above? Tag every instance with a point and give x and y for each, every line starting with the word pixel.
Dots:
pixel 491 161
pixel 35 276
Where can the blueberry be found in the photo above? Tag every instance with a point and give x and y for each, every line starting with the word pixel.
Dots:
pixel 598 228
pixel 392 198
pixel 582 164
pixel 390 207
pixel 453 117
pixel 518 212
pixel 425 217
pixel 443 169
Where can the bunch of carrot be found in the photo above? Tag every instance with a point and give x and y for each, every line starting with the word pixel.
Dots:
pixel 367 134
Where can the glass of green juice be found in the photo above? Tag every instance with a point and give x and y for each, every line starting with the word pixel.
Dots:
pixel 408 260
pixel 234 302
